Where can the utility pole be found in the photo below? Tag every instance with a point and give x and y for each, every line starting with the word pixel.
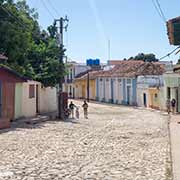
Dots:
pixel 109 49
pixel 88 86
pixel 63 24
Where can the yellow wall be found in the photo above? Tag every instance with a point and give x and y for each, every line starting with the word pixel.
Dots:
pixel 154 101
pixel 81 89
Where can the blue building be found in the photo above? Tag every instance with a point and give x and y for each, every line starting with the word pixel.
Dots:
pixel 119 85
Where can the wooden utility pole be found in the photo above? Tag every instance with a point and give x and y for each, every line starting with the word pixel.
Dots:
pixel 88 86
pixel 61 27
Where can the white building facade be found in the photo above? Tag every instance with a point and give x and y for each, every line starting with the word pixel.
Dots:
pixel 73 69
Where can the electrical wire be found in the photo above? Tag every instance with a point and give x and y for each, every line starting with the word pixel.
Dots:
pixel 14 17
pixel 167 55
pixel 158 11
pixel 44 4
pixel 163 16
pixel 53 7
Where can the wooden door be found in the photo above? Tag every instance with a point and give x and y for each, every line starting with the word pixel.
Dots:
pixel 8 100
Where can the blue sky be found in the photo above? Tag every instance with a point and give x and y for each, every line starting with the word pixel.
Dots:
pixel 132 26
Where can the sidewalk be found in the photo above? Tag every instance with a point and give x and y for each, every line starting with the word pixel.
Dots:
pixel 34 120
pixel 175 145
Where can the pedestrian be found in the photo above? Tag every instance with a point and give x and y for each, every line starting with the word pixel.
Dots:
pixel 168 105
pixel 173 105
pixel 77 112
pixel 85 108
pixel 71 107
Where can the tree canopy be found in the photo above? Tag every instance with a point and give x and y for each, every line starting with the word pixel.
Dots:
pixel 31 51
pixel 145 57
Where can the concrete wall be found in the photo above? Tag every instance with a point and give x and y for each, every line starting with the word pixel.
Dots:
pixel 26 106
pixel 48 100
pixel 154 98
pixel 81 89
pixel 29 104
pixel 140 96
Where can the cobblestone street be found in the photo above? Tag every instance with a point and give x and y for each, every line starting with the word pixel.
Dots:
pixel 115 143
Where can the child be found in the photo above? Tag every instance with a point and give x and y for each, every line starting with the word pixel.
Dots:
pixel 71 107
pixel 77 112
pixel 85 108
pixel 173 104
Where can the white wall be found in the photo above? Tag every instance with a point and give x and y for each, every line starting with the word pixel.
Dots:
pixel 163 97
pixel 28 104
pixel 140 96
pixel 107 89
pixel 48 100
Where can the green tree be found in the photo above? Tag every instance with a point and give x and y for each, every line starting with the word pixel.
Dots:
pixel 145 57
pixel 31 51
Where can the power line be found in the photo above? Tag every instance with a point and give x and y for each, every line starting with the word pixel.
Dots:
pixel 14 17
pixel 53 8
pixel 167 55
pixel 158 11
pixel 163 16
pixel 44 4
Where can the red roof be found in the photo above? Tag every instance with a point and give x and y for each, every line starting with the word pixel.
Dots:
pixel 114 62
pixel 131 68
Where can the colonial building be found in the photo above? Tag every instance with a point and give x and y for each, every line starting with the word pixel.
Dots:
pixel 73 69
pixel 81 85
pixel 8 80
pixel 172 86
pixel 119 85
pixel 150 90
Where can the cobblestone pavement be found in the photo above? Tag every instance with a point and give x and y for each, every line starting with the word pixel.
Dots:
pixel 115 143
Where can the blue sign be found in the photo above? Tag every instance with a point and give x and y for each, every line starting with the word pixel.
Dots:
pixel 93 62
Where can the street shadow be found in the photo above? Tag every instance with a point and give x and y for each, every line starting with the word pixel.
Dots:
pixel 35 123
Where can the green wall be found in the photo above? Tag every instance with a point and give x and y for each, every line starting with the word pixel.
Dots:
pixel 18 100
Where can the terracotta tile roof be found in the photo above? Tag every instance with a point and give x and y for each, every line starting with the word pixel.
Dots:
pixel 92 75
pixel 127 68
pixel 2 57
pixel 133 68
pixel 114 62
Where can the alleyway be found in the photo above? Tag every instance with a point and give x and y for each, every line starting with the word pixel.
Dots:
pixel 115 143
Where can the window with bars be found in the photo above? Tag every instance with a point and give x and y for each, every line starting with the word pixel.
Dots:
pixel 128 81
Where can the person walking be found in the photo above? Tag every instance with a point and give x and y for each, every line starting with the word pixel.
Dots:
pixel 85 108
pixel 173 105
pixel 71 107
pixel 168 105
pixel 77 112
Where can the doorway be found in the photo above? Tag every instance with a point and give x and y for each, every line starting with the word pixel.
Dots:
pixel 112 91
pixel 145 99
pixel 168 93
pixel 128 94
